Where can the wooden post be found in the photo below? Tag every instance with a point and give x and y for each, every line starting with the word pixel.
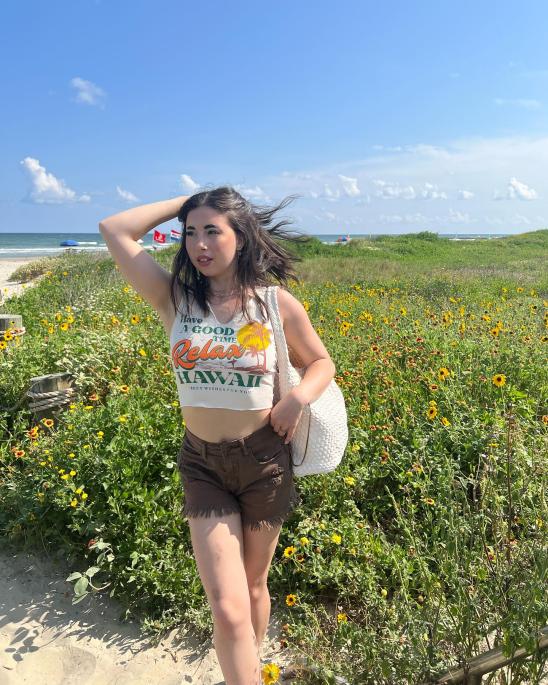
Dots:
pixel 49 394
pixel 10 321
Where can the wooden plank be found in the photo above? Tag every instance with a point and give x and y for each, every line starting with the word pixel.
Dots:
pixel 489 661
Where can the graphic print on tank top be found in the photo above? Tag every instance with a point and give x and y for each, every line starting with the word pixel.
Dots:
pixel 227 365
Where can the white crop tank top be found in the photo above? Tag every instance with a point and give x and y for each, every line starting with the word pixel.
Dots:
pixel 224 365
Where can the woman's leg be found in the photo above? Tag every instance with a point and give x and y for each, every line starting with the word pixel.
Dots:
pixel 217 542
pixel 259 548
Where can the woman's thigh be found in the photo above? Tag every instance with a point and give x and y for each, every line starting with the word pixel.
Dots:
pixel 217 542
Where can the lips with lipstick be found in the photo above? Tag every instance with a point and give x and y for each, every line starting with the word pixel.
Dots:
pixel 203 260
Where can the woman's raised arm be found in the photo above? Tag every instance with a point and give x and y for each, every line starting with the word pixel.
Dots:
pixel 138 221
pixel 121 233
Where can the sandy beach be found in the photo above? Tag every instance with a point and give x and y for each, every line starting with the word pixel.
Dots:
pixel 46 640
pixel 8 288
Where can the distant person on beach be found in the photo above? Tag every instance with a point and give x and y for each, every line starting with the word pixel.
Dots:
pixel 235 460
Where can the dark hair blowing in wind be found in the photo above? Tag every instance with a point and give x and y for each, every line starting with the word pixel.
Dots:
pixel 261 257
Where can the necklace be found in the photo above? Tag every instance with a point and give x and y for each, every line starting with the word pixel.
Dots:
pixel 222 323
pixel 225 293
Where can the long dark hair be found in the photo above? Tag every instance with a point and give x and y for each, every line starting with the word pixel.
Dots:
pixel 260 259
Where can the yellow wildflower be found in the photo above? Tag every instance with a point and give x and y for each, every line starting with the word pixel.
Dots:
pixel 270 673
pixel 291 600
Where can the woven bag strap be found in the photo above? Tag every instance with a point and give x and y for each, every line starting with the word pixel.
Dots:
pixel 281 345
pixel 279 337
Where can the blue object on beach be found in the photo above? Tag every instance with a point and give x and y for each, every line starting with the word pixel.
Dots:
pixel 69 243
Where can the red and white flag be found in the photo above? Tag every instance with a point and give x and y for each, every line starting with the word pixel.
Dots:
pixel 159 237
pixel 175 234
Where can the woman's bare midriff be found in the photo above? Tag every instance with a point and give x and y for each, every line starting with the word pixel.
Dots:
pixel 215 425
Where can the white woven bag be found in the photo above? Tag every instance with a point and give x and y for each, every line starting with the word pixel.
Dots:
pixel 321 436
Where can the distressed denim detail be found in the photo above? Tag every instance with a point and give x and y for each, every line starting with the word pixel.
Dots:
pixel 274 521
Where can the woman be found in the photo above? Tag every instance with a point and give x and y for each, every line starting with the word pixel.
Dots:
pixel 235 460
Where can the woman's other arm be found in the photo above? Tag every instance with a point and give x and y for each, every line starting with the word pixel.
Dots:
pixel 308 347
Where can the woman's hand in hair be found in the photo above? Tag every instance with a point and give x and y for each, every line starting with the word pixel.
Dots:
pixel 286 414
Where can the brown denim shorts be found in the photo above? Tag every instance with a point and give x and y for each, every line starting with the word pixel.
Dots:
pixel 252 475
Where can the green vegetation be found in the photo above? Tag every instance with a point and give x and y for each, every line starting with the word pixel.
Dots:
pixel 428 539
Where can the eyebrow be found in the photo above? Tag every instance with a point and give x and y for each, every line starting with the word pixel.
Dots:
pixel 207 226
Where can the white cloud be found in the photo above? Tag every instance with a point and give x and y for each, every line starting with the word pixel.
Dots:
pixel 296 175
pixel 456 217
pixel 329 194
pixel 519 102
pixel 465 195
pixel 391 191
pixel 520 190
pixel 350 185
pixel 188 184
pixel 87 92
pixel 256 193
pixel 126 195
pixel 46 188
pixel 416 218
pixel 430 192
pixel 516 189
pixel 391 218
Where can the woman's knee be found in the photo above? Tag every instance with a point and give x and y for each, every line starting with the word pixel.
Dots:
pixel 231 614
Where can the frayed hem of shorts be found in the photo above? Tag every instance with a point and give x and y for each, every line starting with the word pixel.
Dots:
pixel 275 521
pixel 208 512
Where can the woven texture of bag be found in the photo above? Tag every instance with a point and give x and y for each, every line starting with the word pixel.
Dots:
pixel 321 436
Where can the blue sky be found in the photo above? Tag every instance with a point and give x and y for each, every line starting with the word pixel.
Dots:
pixel 385 117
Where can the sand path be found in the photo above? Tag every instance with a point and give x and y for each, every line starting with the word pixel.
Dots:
pixel 46 640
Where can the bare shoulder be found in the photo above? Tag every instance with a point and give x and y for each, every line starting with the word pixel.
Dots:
pixel 289 305
pixel 303 342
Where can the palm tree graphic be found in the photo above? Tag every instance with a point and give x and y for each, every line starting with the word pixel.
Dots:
pixel 255 338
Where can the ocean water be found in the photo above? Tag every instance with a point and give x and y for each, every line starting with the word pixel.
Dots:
pixel 35 245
